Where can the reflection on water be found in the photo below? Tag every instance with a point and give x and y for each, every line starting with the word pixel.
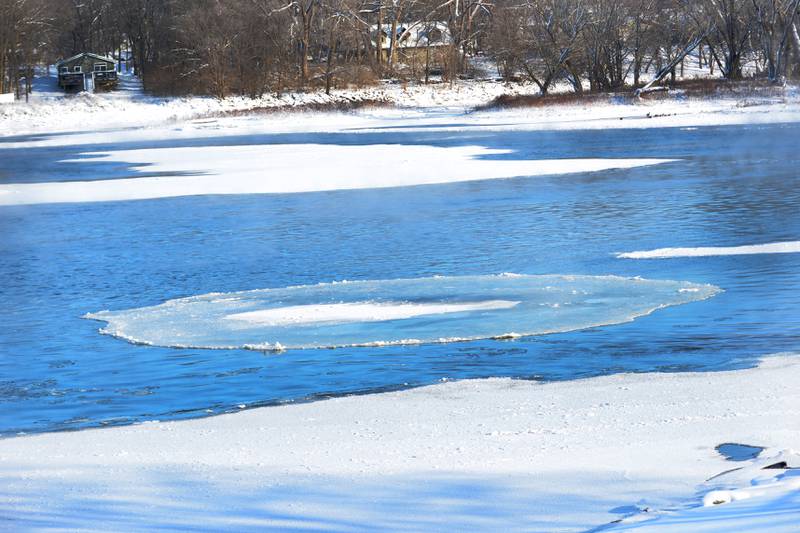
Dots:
pixel 735 185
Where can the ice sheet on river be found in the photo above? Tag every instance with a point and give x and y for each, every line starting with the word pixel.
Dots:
pixel 401 311
pixel 294 168
pixel 704 251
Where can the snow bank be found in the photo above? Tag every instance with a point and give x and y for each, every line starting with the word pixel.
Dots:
pixel 662 253
pixel 131 108
pixel 491 455
pixel 766 499
pixel 294 168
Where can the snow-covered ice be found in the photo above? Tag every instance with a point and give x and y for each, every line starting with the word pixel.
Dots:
pixel 360 312
pixel 664 253
pixel 295 168
pixel 400 311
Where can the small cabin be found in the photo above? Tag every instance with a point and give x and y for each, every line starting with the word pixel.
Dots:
pixel 87 72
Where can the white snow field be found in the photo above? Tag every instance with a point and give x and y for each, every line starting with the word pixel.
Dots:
pixel 704 251
pixel 491 455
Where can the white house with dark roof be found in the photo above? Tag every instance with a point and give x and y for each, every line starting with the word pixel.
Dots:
pixel 87 72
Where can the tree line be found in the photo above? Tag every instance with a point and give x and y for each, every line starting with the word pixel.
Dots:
pixel 251 47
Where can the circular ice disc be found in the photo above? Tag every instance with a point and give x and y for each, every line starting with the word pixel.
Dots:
pixel 400 311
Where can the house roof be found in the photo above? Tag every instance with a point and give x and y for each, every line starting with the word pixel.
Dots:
pixel 414 34
pixel 83 54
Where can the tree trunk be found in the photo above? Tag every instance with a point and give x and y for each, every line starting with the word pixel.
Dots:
pixel 379 37
pixel 733 66
pixel 574 79
pixel 694 43
pixel 304 50
pixel 637 55
pixel 796 36
pixel 783 45
pixel 2 70
pixel 393 43
pixel 427 61
pixel 331 58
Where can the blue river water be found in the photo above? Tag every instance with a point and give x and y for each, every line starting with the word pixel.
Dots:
pixel 732 185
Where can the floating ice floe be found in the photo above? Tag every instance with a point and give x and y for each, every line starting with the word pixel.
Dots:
pixel 663 253
pixel 401 311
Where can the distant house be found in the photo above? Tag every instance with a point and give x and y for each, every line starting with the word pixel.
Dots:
pixel 413 40
pixel 87 72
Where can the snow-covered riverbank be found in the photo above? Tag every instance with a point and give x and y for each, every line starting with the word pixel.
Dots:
pixel 50 111
pixel 492 454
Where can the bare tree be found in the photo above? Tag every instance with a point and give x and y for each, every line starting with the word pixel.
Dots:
pixel 604 45
pixel 776 23
pixel 732 22
pixel 506 39
pixel 24 27
pixel 642 15
pixel 464 29
pixel 554 29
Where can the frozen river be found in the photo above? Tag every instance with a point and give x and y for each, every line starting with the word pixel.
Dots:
pixel 727 186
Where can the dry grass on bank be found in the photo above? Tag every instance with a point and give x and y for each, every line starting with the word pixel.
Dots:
pixel 694 88
pixel 353 104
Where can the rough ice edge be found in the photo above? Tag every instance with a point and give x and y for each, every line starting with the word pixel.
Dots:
pixel 786 247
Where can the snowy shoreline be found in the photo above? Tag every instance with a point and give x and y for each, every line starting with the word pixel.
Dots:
pixel 478 454
pixel 52 112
